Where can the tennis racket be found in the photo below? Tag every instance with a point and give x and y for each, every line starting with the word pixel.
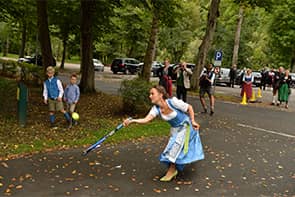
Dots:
pixel 101 140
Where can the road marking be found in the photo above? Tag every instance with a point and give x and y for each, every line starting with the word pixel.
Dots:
pixel 265 130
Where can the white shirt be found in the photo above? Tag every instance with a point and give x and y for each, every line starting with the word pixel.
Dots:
pixel 212 77
pixel 60 89
pixel 178 104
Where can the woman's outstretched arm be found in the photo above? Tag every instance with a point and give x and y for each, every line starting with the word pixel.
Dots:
pixel 144 120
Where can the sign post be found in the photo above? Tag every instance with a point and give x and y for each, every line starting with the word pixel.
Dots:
pixel 217 58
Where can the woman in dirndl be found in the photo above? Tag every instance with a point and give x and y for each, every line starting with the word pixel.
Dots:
pixel 247 84
pixel 184 145
pixel 284 88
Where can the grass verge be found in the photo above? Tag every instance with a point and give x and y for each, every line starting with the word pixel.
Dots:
pixel 99 114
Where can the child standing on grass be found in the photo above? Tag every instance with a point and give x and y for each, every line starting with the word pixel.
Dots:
pixel 72 95
pixel 53 93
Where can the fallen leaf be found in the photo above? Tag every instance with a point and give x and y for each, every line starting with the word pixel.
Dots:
pixel 4 164
pixel 177 188
pixel 157 190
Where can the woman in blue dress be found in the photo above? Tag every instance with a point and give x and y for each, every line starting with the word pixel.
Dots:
pixel 184 145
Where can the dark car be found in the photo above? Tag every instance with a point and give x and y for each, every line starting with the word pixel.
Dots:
pixel 155 68
pixel 35 60
pixel 257 78
pixel 126 65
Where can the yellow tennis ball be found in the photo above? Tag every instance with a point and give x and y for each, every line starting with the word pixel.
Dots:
pixel 75 116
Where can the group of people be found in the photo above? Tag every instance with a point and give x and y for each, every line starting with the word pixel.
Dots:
pixel 54 95
pixel 184 145
pixel 280 82
pixel 183 75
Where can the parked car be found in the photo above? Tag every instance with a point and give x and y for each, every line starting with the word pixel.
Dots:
pixel 292 85
pixel 257 78
pixel 155 68
pixel 98 66
pixel 223 77
pixel 34 60
pixel 126 65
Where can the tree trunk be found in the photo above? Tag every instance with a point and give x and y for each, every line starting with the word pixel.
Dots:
pixel 43 34
pixel 130 52
pixel 87 69
pixel 151 48
pixel 24 39
pixel 64 43
pixel 237 36
pixel 206 43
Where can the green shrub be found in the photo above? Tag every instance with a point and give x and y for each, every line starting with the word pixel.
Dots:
pixel 135 96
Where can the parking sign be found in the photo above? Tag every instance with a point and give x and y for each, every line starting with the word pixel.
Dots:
pixel 218 56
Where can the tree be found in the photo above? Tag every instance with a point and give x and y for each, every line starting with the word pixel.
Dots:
pixel 282 34
pixel 162 12
pixel 87 69
pixel 18 13
pixel 65 17
pixel 176 37
pixel 43 34
pixel 150 51
pixel 238 35
pixel 213 14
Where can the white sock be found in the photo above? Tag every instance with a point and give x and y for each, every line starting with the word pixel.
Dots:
pixel 273 99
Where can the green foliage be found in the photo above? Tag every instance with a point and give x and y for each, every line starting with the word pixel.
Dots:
pixel 282 33
pixel 176 37
pixel 29 72
pixel 135 96
pixel 253 49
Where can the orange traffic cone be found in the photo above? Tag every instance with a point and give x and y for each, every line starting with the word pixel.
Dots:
pixel 244 99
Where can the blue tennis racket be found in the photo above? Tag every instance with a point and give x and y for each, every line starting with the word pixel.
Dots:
pixel 101 140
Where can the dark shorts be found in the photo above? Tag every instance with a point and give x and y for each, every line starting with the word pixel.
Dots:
pixel 208 90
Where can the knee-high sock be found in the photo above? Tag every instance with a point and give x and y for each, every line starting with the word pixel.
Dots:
pixel 52 118
pixel 67 116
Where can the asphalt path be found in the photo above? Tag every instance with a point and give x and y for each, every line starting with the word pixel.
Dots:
pixel 249 151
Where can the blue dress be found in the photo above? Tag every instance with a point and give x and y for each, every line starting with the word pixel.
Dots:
pixel 184 145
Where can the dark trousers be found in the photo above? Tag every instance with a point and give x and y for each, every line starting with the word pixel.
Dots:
pixel 181 93
pixel 232 82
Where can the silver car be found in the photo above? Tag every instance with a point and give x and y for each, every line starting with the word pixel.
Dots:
pixel 98 66
pixel 223 77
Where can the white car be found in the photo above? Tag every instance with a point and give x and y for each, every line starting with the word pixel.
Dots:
pixel 98 66
pixel 223 77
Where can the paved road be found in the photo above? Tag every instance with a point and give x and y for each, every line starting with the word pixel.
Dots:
pixel 249 152
pixel 252 160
